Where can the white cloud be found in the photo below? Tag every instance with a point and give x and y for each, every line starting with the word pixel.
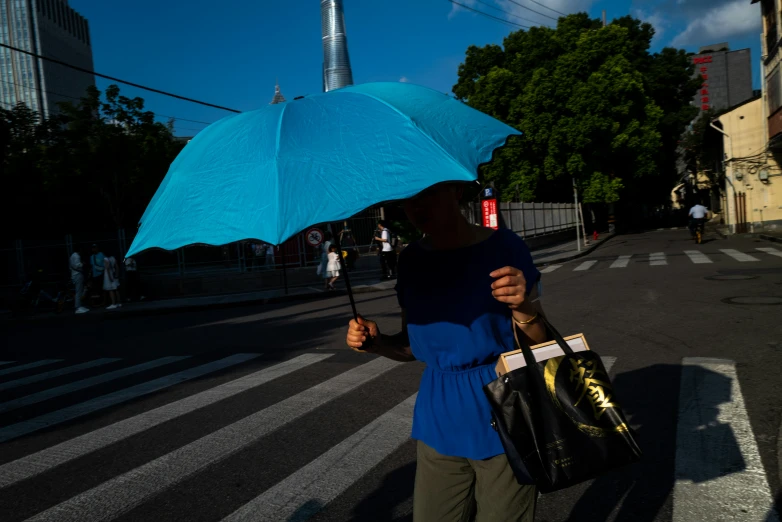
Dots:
pixel 455 9
pixel 721 23
pixel 404 79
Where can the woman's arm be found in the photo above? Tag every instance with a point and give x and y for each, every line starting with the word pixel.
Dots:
pixel 364 335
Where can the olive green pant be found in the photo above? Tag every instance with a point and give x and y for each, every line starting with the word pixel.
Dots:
pixel 455 489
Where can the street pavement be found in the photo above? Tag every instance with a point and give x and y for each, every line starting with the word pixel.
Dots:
pixel 261 413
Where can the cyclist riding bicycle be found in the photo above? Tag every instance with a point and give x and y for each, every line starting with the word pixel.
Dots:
pixel 698 215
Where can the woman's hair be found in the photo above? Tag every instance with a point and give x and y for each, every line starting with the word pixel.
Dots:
pixel 333 248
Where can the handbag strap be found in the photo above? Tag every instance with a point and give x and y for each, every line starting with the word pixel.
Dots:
pixel 527 351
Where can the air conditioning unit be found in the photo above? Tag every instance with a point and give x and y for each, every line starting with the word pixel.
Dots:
pixel 763 175
pixel 738 174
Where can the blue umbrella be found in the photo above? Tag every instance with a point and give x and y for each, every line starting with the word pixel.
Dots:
pixel 269 174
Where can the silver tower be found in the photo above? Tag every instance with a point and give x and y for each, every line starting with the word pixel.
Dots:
pixel 336 62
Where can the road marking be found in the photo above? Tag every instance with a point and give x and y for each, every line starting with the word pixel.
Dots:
pixel 621 262
pixel 3 363
pixel 549 269
pixel 37 463
pixel 772 251
pixel 44 395
pixel 56 373
pixel 608 363
pixel 699 258
pixel 28 366
pixel 312 487
pixel 124 492
pixel 719 474
pixel 586 265
pixel 738 256
pixel 657 259
pixel 111 399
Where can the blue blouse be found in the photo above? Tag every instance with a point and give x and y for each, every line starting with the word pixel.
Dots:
pixel 458 329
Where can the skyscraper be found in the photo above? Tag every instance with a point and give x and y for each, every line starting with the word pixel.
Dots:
pixel 336 61
pixel 49 28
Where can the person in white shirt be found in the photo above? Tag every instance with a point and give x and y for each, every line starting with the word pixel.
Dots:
pixel 332 267
pixel 387 253
pixel 698 214
pixel 77 276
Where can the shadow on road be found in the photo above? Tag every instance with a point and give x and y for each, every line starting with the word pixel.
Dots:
pixel 378 506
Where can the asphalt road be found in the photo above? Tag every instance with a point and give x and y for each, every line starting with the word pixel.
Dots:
pixel 260 413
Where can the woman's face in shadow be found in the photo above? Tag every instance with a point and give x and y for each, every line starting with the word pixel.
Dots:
pixel 434 209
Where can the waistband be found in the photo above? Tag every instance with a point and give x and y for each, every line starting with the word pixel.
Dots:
pixel 468 370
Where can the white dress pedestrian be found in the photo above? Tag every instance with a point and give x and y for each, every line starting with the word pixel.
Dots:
pixel 332 267
pixel 110 281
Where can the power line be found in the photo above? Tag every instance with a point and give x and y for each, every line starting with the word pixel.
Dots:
pixel 487 4
pixel 79 99
pixel 549 8
pixel 138 86
pixel 530 9
pixel 508 22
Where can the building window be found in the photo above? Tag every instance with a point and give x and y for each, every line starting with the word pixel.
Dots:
pixel 769 14
pixel 774 91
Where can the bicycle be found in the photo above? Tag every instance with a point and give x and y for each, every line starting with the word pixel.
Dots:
pixel 697 229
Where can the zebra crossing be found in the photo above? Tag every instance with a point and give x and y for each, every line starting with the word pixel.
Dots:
pixel 709 485
pixel 662 259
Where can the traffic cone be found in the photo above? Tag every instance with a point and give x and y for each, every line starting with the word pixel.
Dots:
pixel 594 235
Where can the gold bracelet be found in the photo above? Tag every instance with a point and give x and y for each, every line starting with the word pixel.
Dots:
pixel 528 321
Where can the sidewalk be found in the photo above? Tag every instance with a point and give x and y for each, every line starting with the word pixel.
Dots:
pixel 552 254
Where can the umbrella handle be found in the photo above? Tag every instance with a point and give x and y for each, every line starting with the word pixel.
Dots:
pixel 345 271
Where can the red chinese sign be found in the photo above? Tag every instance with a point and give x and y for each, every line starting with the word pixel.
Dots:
pixel 704 92
pixel 490 213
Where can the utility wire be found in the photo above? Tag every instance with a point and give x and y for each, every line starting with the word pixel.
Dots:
pixel 508 22
pixel 487 4
pixel 79 99
pixel 138 86
pixel 549 8
pixel 530 9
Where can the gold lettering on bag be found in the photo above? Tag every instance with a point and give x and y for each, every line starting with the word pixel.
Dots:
pixel 589 382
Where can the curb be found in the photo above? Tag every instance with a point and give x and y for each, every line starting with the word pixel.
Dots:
pixel 583 253
pixel 771 238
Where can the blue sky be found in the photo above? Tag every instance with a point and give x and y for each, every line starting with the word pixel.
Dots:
pixel 231 52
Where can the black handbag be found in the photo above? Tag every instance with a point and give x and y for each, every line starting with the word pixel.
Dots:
pixel 559 420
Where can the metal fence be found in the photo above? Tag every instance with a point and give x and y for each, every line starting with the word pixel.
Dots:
pixel 531 219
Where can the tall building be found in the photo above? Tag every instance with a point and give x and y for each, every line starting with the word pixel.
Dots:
pixel 49 28
pixel 727 77
pixel 336 61
pixel 278 97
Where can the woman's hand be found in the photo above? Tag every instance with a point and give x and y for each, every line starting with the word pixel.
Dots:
pixel 510 287
pixel 361 333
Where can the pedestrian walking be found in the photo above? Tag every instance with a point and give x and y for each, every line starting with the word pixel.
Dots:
pixel 98 268
pixel 325 247
pixel 332 268
pixel 348 243
pixel 460 289
pixel 387 251
pixel 111 281
pixel 133 280
pixel 77 277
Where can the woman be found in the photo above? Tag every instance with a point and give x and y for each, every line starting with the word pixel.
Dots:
pixel 332 267
pixel 324 261
pixel 460 288
pixel 111 281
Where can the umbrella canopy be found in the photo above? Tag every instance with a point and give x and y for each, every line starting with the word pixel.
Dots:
pixel 269 174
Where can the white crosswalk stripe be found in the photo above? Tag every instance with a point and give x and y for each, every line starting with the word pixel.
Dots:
pixel 657 259
pixel 56 373
pixel 621 262
pixel 29 366
pixel 738 256
pixel 699 258
pixel 586 265
pixel 44 460
pixel 772 251
pixel 719 474
pixel 85 383
pixel 549 269
pixel 3 363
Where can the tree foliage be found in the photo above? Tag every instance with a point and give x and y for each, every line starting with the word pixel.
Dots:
pixel 592 103
pixel 93 167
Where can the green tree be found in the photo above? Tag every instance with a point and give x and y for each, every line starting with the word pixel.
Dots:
pixel 592 103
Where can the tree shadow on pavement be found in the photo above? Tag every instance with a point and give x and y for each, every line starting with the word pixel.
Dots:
pixel 643 492
pixel 396 488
